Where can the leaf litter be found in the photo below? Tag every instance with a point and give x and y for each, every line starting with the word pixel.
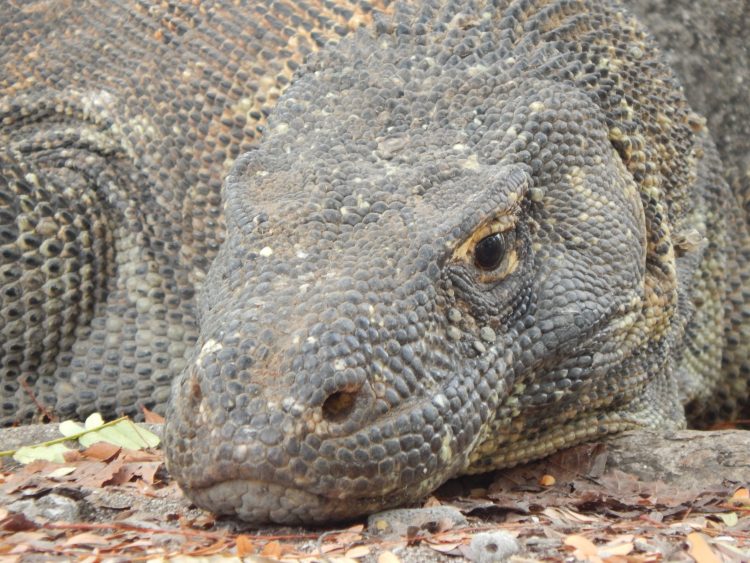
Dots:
pixel 567 507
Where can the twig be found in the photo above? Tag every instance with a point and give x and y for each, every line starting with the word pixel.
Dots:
pixel 30 392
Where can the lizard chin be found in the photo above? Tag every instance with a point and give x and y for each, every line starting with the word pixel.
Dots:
pixel 258 503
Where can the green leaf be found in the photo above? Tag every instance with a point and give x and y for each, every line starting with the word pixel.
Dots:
pixel 94 421
pixel 124 434
pixel 52 452
pixel 121 432
pixel 70 428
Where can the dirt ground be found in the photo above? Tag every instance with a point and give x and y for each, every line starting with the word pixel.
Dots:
pixel 640 497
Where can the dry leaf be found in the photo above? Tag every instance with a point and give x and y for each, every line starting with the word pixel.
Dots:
pixel 60 472
pixel 271 549
pixel 444 547
pixel 741 493
pixel 331 547
pixel 453 537
pixel 103 451
pixel 219 546
pixel 700 550
pixel 95 473
pixel 431 502
pixel 71 456
pixel 584 548
pixel 143 488
pixel 568 516
pixel 86 538
pixel 205 521
pixel 741 496
pixel 350 535
pixel 143 470
pixel 388 557
pixel 24 537
pixel 621 549
pixel 357 551
pixel 583 544
pixel 141 455
pixel 151 417
pixel 195 559
pixel 245 546
pixel 139 544
pixel 619 546
pixel 17 522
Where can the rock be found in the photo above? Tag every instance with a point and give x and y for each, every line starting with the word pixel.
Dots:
pixel 492 547
pixel 51 507
pixel 686 459
pixel 402 522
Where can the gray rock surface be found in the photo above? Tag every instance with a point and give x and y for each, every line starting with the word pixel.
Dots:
pixel 399 521
pixel 686 459
pixel 52 508
pixel 493 547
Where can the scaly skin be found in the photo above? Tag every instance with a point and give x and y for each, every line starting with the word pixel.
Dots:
pixel 362 340
pixel 118 122
pixel 358 340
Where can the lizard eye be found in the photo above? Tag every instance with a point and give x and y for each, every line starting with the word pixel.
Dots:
pixel 489 252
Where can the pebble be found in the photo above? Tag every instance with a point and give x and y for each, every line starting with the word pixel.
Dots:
pixel 493 547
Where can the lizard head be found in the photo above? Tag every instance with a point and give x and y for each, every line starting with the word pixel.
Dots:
pixel 435 263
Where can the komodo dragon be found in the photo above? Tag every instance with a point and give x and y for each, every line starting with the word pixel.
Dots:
pixel 474 233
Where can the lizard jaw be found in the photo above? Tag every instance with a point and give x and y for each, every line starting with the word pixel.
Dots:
pixel 258 502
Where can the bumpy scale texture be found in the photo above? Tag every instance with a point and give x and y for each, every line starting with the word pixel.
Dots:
pixel 118 121
pixel 475 233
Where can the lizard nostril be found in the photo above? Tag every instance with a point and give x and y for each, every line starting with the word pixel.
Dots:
pixel 339 405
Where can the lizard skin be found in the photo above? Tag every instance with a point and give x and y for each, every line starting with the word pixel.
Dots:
pixel 118 121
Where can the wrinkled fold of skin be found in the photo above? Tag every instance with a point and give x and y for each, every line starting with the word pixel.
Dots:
pixel 353 353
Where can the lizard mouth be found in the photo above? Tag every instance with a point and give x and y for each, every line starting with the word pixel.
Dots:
pixel 342 484
pixel 330 475
pixel 258 502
